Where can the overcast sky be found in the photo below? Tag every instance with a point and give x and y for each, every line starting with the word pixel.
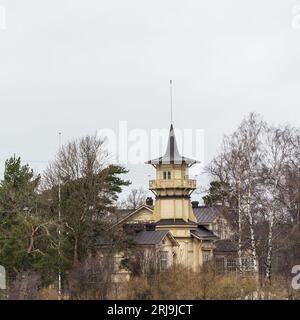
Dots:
pixel 78 66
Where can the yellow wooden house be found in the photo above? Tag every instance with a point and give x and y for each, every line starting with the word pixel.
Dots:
pixel 181 230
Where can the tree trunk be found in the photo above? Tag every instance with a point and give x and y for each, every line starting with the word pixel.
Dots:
pixel 240 234
pixel 252 234
pixel 75 252
pixel 270 246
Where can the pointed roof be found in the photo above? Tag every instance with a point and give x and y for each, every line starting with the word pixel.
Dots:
pixel 172 154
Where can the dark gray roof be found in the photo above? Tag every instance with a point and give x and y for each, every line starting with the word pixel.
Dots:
pixel 117 216
pixel 172 154
pixel 225 246
pixel 202 232
pixel 206 215
pixel 149 237
pixel 175 221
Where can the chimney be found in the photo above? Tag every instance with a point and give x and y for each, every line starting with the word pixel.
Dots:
pixel 195 204
pixel 149 202
pixel 150 227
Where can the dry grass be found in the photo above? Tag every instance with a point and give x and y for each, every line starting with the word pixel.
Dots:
pixel 179 283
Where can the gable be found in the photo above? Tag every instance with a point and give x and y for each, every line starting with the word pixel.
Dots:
pixel 144 213
pixel 169 240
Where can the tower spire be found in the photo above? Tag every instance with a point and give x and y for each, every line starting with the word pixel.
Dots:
pixel 171 102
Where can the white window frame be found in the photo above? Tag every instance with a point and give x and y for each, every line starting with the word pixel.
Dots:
pixel 163 260
pixel 167 175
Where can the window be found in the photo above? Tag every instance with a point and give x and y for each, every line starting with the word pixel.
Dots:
pixel 231 265
pixel 163 260
pixel 167 175
pixel 206 256
pixel 220 265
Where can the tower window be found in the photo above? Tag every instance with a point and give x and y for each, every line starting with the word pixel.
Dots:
pixel 167 175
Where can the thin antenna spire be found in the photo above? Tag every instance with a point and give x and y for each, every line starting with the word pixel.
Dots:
pixel 59 220
pixel 171 101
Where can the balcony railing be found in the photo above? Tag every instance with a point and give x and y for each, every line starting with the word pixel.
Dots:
pixel 173 183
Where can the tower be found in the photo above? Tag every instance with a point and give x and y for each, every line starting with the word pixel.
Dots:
pixel 172 186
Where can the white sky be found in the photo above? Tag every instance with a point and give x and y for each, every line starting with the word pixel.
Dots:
pixel 78 66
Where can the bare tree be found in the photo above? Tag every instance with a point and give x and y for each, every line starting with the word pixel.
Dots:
pixel 260 163
pixel 251 132
pixel 25 286
pixel 238 165
pixel 89 189
pixel 77 159
pixel 227 168
pixel 277 156
pixel 135 199
pixel 293 180
pixel 92 278
pixel 143 261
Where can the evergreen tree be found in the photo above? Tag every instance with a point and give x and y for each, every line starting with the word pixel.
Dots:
pixel 27 240
pixel 218 193
pixel 18 188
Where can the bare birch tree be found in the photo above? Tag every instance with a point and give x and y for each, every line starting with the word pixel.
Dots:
pixel 277 155
pixel 238 165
